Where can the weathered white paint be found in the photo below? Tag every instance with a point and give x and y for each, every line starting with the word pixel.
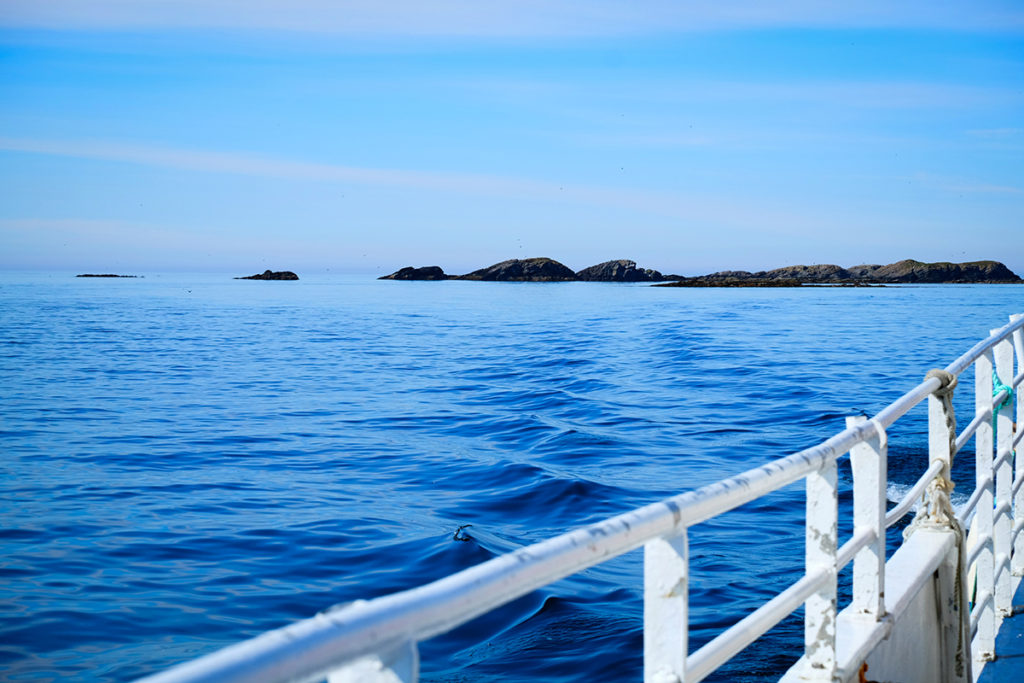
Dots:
pixel 1003 522
pixel 666 602
pixel 1018 493
pixel 868 460
pixel 983 647
pixel 401 665
pixel 822 542
pixel 888 617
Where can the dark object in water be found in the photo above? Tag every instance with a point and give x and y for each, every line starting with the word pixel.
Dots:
pixel 410 273
pixel 105 275
pixel 461 535
pixel 622 270
pixel 524 270
pixel 271 275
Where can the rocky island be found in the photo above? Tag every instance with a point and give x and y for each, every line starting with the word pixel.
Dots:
pixel 410 273
pixel 524 270
pixel 105 275
pixel 538 270
pixel 901 272
pixel 624 270
pixel 271 275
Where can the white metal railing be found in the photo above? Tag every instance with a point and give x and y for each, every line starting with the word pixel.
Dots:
pixel 376 640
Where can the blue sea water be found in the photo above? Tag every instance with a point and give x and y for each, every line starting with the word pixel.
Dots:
pixel 190 460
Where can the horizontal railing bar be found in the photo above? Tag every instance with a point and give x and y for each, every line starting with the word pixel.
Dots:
pixel 904 403
pixel 969 430
pixel 976 351
pixel 1017 380
pixel 898 512
pixel 308 648
pixel 1001 563
pixel 980 544
pixel 1016 439
pixel 965 513
pixel 861 539
pixel 725 646
pixel 1002 509
pixel 979 605
pixel 997 399
pixel 1016 486
pixel 1002 457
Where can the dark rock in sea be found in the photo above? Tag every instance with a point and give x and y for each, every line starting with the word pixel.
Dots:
pixel 271 275
pixel 105 275
pixel 709 281
pixel 863 272
pixel 915 271
pixel 817 273
pixel 990 272
pixel 523 270
pixel 622 270
pixel 410 273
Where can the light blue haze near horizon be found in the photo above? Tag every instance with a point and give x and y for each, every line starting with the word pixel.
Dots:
pixel 353 137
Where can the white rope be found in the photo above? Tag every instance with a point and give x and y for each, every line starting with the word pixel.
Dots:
pixel 937 512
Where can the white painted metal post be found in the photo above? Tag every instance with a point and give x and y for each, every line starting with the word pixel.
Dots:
pixel 822 539
pixel 401 665
pixel 666 609
pixel 1003 523
pixel 1018 503
pixel 983 646
pixel 868 460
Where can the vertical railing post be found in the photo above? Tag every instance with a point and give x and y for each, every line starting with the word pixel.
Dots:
pixel 1018 503
pixel 983 647
pixel 868 460
pixel 1003 523
pixel 666 609
pixel 822 539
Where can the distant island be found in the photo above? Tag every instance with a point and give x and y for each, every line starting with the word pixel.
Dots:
pixel 902 272
pixel 106 275
pixel 271 275
pixel 539 270
pixel 624 270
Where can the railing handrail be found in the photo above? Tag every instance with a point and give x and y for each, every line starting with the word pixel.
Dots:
pixel 308 649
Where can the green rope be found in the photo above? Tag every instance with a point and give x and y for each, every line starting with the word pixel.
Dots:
pixel 997 388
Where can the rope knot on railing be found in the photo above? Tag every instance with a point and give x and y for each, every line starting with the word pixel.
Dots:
pixel 997 388
pixel 944 393
pixel 948 379
pixel 937 509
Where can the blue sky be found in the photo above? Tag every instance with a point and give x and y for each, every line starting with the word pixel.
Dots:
pixel 362 137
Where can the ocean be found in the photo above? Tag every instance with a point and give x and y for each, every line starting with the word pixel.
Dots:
pixel 190 460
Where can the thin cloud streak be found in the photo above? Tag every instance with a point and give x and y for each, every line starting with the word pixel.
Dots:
pixel 215 162
pixel 693 208
pixel 520 19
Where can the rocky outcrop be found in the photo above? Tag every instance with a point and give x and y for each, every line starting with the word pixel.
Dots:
pixel 816 273
pixel 271 275
pixel 621 270
pixel 104 275
pixel 863 272
pixel 707 281
pixel 523 270
pixel 868 274
pixel 973 271
pixel 410 273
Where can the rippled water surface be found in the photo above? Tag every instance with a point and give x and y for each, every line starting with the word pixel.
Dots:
pixel 191 460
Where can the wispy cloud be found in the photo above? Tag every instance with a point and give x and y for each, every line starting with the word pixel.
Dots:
pixel 964 185
pixel 733 210
pixel 493 18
